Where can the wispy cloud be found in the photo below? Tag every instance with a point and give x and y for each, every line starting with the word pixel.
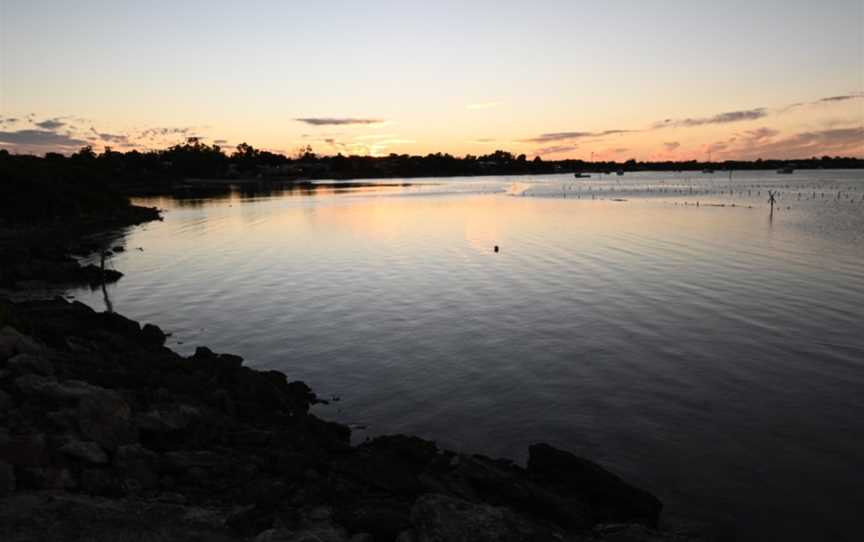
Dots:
pixel 50 124
pixel 760 134
pixel 671 145
pixel 40 138
pixel 720 118
pixel 153 133
pixel 483 105
pixel 555 149
pixel 550 137
pixel 332 121
pixel 117 139
pixel 843 98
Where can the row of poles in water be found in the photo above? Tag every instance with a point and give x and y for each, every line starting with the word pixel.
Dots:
pixel 849 194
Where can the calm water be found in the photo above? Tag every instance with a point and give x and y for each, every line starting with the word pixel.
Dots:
pixel 710 353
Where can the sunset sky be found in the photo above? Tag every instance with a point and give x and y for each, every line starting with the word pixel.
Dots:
pixel 561 79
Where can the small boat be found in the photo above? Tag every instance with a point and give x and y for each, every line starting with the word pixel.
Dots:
pixel 786 170
pixel 580 175
pixel 620 172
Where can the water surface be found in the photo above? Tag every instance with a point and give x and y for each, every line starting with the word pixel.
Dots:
pixel 665 325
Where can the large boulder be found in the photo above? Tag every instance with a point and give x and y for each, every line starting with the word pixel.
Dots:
pixel 105 418
pixel 609 498
pixel 499 482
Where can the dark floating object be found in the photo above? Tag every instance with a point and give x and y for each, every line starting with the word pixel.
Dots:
pixel 496 248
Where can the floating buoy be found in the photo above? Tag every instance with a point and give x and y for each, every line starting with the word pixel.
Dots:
pixel 496 248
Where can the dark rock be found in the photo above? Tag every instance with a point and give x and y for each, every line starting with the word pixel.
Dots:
pixel 54 478
pixel 180 425
pixel 48 388
pixel 85 451
pixel 383 519
pixel 28 363
pixel 137 463
pixel 63 420
pixel 394 462
pixel 438 518
pixel 7 480
pixel 12 342
pixel 115 323
pixel 152 335
pixel 173 498
pixel 610 499
pixel 318 514
pixel 203 353
pixel 5 401
pixel 101 482
pixel 106 418
pixel 499 482
pixel 628 532
pixel 24 450
pixel 319 533
pixel 185 460
pixel 248 520
pixel 265 493
pixel 251 437
pixel 8 345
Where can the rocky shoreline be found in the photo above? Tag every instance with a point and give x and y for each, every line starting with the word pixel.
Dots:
pixel 107 434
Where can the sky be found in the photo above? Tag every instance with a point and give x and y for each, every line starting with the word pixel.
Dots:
pixel 612 79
